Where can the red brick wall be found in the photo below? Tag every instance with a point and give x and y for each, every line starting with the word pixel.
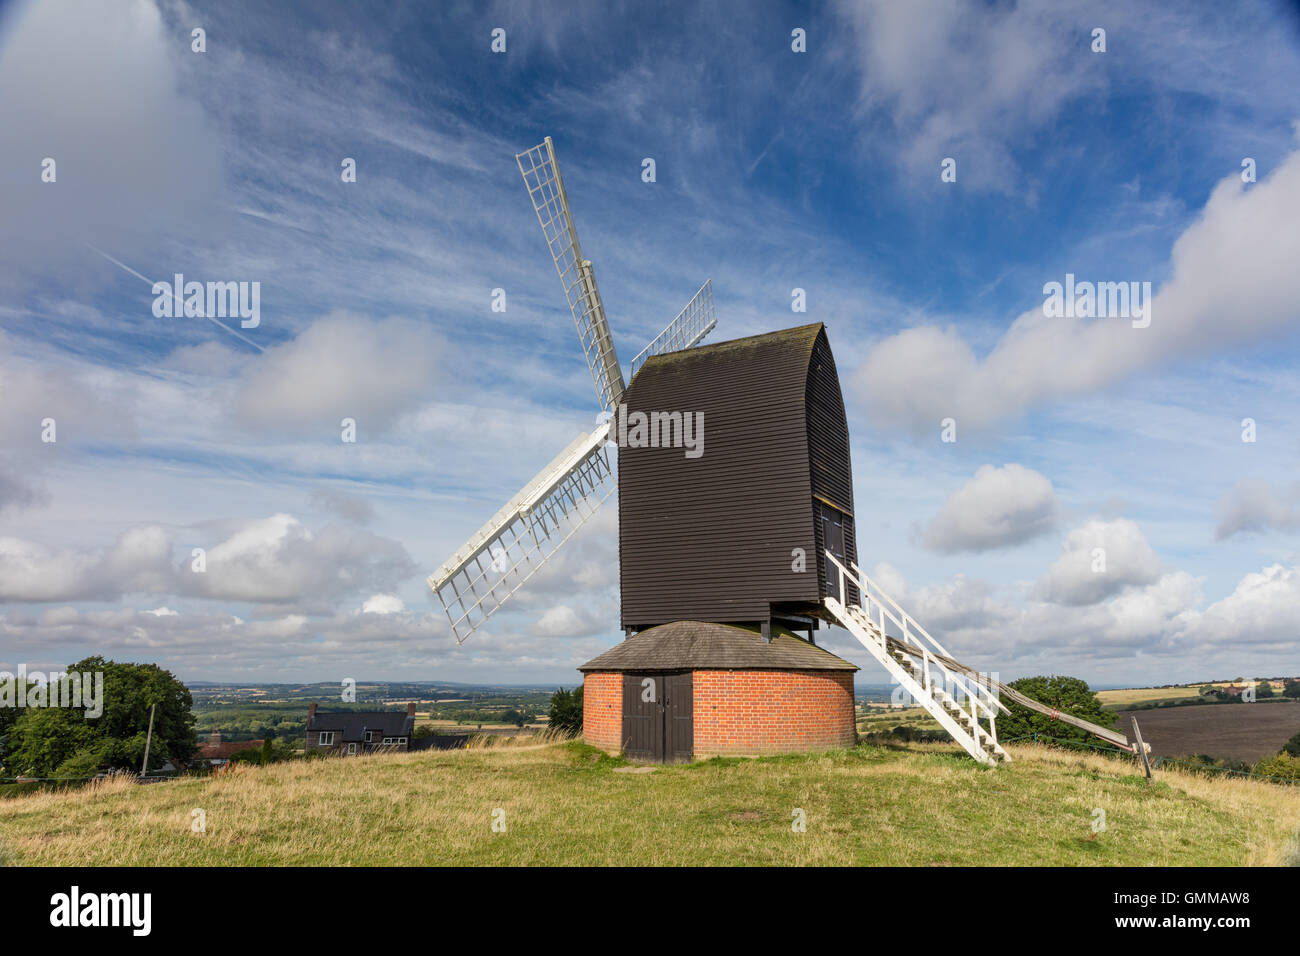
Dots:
pixel 763 712
pixel 602 710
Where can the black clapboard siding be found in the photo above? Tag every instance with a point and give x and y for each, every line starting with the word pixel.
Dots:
pixel 829 457
pixel 711 538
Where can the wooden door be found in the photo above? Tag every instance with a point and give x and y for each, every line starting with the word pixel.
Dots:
pixel 643 734
pixel 658 717
pixel 679 714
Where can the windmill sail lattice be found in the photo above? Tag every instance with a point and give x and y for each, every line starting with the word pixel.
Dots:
pixel 474 582
pixel 686 331
pixel 546 189
pixel 497 559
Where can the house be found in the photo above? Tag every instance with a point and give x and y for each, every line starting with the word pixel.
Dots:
pixel 215 753
pixel 348 732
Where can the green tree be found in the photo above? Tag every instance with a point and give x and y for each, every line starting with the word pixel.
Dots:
pixel 1069 695
pixel 42 739
pixel 1292 746
pixel 566 711
pixel 9 715
pixel 1264 689
pixel 1283 765
pixel 516 717
pixel 1292 689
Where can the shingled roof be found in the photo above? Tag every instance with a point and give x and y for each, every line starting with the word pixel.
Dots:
pixel 695 645
pixel 752 349
pixel 352 725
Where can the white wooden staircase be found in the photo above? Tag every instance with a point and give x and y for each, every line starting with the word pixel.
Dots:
pixel 965 706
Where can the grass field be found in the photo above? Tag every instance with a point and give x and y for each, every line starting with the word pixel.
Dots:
pixel 568 804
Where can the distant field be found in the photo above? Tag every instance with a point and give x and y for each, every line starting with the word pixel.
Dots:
pixel 568 804
pixel 1119 699
pixel 1227 731
pixel 880 720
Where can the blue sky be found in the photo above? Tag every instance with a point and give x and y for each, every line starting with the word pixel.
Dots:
pixel 774 170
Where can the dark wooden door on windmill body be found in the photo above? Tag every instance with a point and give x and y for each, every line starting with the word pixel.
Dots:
pixel 658 717
pixel 835 532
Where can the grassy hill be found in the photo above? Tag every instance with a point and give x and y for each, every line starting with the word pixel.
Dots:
pixel 570 804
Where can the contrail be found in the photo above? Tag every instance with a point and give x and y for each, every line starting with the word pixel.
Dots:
pixel 124 266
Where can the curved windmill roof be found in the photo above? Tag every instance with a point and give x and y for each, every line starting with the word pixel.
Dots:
pixel 786 351
pixel 696 645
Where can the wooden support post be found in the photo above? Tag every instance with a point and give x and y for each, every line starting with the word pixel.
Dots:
pixel 144 766
pixel 1141 748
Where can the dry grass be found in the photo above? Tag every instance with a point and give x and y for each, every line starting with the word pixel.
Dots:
pixel 564 804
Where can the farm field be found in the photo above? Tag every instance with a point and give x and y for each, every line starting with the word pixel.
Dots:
pixel 568 804
pixel 881 720
pixel 1229 731
pixel 1127 697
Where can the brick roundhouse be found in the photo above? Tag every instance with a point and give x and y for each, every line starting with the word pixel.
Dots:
pixel 694 689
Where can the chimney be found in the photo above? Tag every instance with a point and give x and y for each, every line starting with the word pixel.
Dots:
pixel 410 709
pixel 311 711
pixel 214 738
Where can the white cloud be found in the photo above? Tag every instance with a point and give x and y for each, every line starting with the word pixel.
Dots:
pixel 278 559
pixel 97 89
pixel 1254 505
pixel 559 621
pixel 921 375
pixel 383 604
pixel 960 602
pixel 275 559
pixel 1264 609
pixel 998 507
pixel 85 404
pixel 967 80
pixel 139 561
pixel 342 366
pixel 1100 559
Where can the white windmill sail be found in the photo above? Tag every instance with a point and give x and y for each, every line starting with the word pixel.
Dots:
pixel 686 331
pixel 508 550
pixel 497 559
pixel 546 189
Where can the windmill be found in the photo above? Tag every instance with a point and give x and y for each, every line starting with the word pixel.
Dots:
pixel 723 556
pixel 517 541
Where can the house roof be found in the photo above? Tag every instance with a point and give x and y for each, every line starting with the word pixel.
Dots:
pixel 695 645
pixel 226 750
pixel 351 725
